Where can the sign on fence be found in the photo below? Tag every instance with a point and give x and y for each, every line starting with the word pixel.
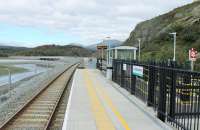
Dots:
pixel 124 66
pixel 138 70
pixel 193 54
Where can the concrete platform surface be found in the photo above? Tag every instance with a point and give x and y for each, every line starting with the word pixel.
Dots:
pixel 95 104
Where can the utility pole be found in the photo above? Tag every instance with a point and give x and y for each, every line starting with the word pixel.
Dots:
pixel 174 35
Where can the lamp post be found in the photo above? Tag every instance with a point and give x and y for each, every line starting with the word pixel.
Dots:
pixel 108 51
pixel 107 38
pixel 102 53
pixel 139 47
pixel 9 79
pixel 174 35
pixel 109 65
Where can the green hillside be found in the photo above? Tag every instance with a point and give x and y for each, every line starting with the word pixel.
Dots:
pixel 156 41
pixel 55 50
pixel 6 51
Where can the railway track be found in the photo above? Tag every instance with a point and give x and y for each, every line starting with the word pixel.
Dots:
pixel 41 112
pixel 59 115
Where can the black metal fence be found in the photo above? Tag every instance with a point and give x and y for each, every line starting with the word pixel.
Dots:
pixel 172 92
pixel 101 64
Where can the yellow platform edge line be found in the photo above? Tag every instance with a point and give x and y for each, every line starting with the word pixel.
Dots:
pixel 108 101
pixel 103 122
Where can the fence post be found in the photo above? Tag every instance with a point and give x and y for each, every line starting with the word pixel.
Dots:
pixel 172 94
pixel 97 63
pixel 122 75
pixel 151 85
pixel 101 64
pixel 133 81
pixel 113 71
pixel 162 95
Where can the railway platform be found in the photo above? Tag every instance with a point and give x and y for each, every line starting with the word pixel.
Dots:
pixel 96 103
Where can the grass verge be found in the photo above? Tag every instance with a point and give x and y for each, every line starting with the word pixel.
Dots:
pixel 13 70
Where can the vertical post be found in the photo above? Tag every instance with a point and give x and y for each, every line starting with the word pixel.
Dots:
pixel 48 69
pixel 162 95
pixel 174 35
pixel 151 85
pixel 35 68
pixel 139 40
pixel 192 65
pixel 172 93
pixel 174 46
pixel 102 54
pixel 133 81
pixel 116 54
pixel 10 81
pixel 114 71
pixel 101 65
pixel 107 55
pixel 122 74
pixel 135 54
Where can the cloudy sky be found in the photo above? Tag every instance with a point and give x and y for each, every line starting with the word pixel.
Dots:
pixel 36 22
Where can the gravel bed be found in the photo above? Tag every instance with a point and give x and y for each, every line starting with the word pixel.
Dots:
pixel 21 94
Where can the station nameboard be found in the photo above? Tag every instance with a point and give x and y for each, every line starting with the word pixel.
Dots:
pixel 102 47
pixel 138 71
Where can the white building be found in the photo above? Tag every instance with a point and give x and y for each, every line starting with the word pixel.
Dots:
pixel 121 52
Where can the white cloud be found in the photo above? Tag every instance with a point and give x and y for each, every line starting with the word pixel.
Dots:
pixel 89 19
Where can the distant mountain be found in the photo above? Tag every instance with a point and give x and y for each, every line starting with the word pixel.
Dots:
pixel 46 50
pixel 76 44
pixel 10 50
pixel 12 47
pixel 56 50
pixel 113 43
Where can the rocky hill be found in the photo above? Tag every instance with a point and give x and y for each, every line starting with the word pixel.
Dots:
pixel 154 33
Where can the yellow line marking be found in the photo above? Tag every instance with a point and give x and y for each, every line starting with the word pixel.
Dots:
pixel 103 122
pixel 109 102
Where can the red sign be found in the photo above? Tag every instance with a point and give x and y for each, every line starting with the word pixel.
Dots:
pixel 193 54
pixel 102 47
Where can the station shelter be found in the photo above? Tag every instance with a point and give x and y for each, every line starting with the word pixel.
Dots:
pixel 122 53
pixel 101 56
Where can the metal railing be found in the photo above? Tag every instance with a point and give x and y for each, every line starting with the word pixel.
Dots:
pixel 174 93
pixel 101 64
